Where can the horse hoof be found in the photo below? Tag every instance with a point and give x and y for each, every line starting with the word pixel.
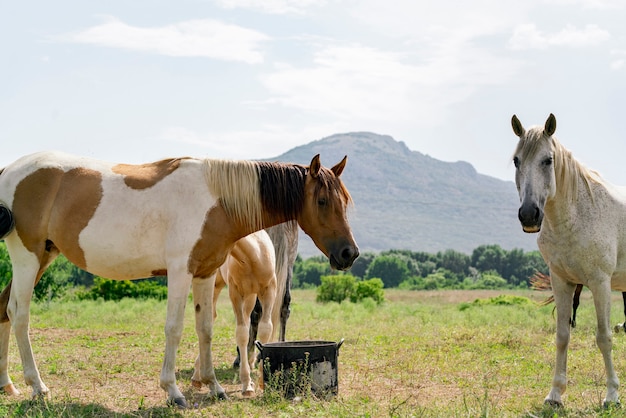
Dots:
pixel 611 404
pixel 552 403
pixel 221 396
pixel 196 384
pixel 247 393
pixel 181 402
pixel 11 390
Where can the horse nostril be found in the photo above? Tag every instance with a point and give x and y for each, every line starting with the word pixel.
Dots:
pixel 349 253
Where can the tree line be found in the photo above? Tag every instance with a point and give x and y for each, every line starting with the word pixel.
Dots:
pixel 487 267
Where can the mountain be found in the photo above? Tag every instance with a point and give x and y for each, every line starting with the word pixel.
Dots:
pixel 407 200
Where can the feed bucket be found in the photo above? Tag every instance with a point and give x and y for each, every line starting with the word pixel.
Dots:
pixel 294 367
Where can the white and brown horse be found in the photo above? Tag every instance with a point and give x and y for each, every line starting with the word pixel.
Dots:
pixel 178 217
pixel 581 221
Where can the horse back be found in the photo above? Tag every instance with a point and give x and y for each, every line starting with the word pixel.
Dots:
pixel 110 219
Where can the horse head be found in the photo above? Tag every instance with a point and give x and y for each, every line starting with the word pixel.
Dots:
pixel 534 171
pixel 323 216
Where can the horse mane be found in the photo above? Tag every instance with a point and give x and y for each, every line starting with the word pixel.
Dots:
pixel 247 189
pixel 237 185
pixel 567 168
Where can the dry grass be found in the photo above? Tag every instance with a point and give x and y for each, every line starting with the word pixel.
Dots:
pixel 417 355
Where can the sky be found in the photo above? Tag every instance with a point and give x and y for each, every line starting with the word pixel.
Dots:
pixel 136 81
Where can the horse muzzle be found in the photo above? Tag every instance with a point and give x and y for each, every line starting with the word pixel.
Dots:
pixel 530 216
pixel 343 259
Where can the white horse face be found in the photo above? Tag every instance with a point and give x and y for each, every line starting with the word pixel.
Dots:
pixel 534 171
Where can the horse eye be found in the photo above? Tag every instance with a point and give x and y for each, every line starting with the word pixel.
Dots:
pixel 321 201
pixel 547 161
pixel 516 162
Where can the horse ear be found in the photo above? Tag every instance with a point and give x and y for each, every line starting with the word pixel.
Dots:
pixel 517 126
pixel 550 127
pixel 338 168
pixel 315 166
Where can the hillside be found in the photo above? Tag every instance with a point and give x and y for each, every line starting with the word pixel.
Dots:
pixel 408 200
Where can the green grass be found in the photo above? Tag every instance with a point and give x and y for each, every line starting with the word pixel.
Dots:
pixel 422 354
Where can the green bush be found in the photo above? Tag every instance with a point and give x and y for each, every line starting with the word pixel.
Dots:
pixel 501 300
pixel 118 289
pixel 336 288
pixel 341 287
pixel 372 288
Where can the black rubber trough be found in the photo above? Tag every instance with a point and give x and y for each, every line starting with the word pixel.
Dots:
pixel 294 367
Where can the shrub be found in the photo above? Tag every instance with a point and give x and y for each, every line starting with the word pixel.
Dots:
pixel 372 288
pixel 119 289
pixel 341 287
pixel 506 300
pixel 336 288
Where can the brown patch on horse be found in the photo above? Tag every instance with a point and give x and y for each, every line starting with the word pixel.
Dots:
pixel 161 272
pixel 209 253
pixel 52 207
pixel 145 176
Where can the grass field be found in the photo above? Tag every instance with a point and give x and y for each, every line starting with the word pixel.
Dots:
pixel 423 354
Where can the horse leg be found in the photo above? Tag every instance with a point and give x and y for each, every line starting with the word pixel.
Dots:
pixel 623 325
pixel 267 300
pixel 47 256
pixel 563 297
pixel 177 292
pixel 6 385
pixel 27 268
pixel 254 327
pixel 285 309
pixel 242 307
pixel 579 288
pixel 602 300
pixel 219 285
pixel 204 373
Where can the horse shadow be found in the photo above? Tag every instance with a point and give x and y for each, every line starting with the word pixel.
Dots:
pixel 227 376
pixel 42 407
pixel 197 399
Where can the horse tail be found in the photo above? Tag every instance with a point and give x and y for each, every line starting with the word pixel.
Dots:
pixel 7 223
pixel 547 301
pixel 285 239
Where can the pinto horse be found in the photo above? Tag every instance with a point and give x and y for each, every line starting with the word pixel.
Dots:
pixel 178 217
pixel 581 224
pixel 249 272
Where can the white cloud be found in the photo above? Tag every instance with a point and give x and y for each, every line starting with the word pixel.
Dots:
pixel 193 38
pixel 358 83
pixel 593 4
pixel 528 36
pixel 271 6
pixel 265 142
pixel 620 59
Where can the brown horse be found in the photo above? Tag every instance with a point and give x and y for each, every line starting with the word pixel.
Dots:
pixel 249 272
pixel 285 241
pixel 178 217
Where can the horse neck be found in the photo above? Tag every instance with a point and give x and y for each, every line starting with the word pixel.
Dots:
pixel 562 212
